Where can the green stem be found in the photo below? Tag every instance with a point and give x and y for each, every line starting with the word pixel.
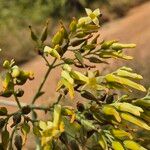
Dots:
pixel 43 81
pixel 17 101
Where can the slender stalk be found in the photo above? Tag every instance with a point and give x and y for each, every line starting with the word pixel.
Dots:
pixel 50 67
pixel 10 103
pixel 17 101
pixel 43 81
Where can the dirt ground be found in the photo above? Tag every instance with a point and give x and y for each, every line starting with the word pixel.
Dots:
pixel 134 28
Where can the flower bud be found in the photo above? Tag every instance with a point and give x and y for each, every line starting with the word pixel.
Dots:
pixel 44 33
pixel 107 44
pixel 33 35
pixel 26 110
pixel 80 107
pixel 19 93
pixel 15 71
pixel 67 68
pixel 119 46
pixel 6 64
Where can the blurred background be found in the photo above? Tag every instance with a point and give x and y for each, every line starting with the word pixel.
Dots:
pixel 125 20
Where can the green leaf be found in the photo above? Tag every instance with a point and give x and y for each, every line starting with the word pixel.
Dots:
pixel 121 133
pixel 68 85
pixel 142 102
pixel 33 35
pixel 88 95
pixel 44 33
pixel 2 123
pixel 125 73
pixel 124 81
pixel 107 44
pixel 18 142
pixel 103 143
pixel 109 110
pixel 88 124
pixel 117 145
pixel 67 76
pixel 79 57
pixel 25 128
pixel 73 25
pixel 127 107
pixel 7 80
pixel 5 138
pixel 79 76
pixel 3 111
pixel 57 114
pixel 36 131
pixel 133 145
pixel 135 121
pixel 57 38
pixel 69 61
pixel 95 60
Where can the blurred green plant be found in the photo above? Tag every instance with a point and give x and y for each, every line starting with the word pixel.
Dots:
pixel 16 15
pixel 103 121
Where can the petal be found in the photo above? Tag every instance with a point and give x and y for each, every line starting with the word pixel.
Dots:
pixel 88 20
pixel 88 11
pixel 85 20
pixel 47 49
pixel 96 12
pixel 96 21
pixel 81 20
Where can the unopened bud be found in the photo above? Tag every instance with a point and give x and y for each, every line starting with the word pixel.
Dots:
pixel 26 110
pixel 6 64
pixel 15 71
pixel 19 93
pixel 119 46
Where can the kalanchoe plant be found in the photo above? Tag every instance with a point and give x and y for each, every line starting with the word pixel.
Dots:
pixel 106 120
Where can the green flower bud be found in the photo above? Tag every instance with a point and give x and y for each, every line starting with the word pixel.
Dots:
pixel 44 33
pixel 107 44
pixel 33 35
pixel 6 64
pixel 119 46
pixel 73 25
pixel 15 71
pixel 67 68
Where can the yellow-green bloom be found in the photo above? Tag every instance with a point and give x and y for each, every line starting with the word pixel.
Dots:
pixel 52 51
pixel 92 16
pixel 51 130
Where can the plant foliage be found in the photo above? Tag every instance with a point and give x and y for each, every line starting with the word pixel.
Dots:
pixel 106 119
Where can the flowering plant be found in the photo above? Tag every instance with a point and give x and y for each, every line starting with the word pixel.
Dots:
pixel 103 120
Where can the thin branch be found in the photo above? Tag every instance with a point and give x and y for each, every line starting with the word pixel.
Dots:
pixel 43 81
pixel 17 101
pixel 10 103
